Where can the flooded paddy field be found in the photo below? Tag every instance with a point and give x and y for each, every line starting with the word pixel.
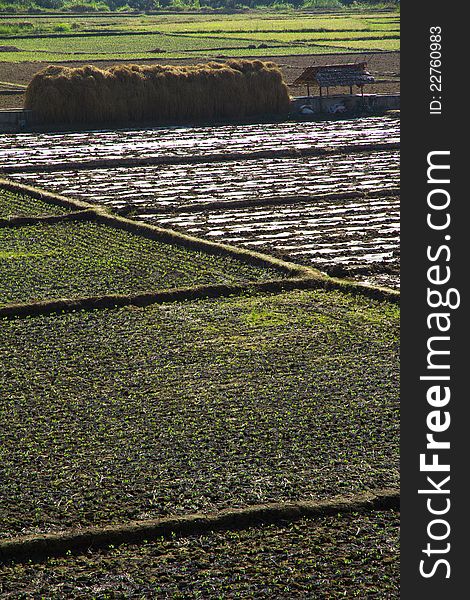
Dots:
pixel 51 148
pixel 358 238
pixel 338 212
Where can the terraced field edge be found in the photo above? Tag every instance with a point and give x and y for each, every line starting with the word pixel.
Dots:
pixel 64 305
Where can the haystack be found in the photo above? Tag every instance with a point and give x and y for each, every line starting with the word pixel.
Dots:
pixel 236 89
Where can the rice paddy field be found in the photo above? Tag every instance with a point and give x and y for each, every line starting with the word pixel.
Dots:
pixel 132 413
pixel 342 237
pixel 156 368
pixel 178 36
pixel 176 186
pixel 48 149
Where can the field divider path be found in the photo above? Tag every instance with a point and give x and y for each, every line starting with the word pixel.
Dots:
pixel 253 202
pixel 200 158
pixel 9 84
pixel 83 34
pixel 64 305
pixel 40 547
pixel 20 221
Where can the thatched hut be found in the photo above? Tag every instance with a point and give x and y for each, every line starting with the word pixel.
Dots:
pixel 235 89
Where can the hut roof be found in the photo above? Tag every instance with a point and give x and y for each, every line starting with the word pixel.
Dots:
pixel 333 75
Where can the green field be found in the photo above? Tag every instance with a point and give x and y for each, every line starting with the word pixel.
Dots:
pixel 129 413
pixel 349 556
pixel 12 205
pixel 65 260
pixel 176 36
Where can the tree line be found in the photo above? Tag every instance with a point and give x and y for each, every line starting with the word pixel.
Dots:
pixel 150 5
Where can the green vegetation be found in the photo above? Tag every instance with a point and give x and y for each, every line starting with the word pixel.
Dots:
pixel 133 45
pixel 275 23
pixel 349 556
pixel 112 415
pixel 241 52
pixel 355 45
pixel 195 35
pixel 19 205
pixel 84 259
pixel 302 37
pixel 81 6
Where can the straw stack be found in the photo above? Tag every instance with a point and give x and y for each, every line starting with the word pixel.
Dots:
pixel 236 89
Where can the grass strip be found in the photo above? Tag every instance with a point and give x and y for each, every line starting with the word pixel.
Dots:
pixel 64 305
pixel 22 86
pixel 201 159
pixel 92 538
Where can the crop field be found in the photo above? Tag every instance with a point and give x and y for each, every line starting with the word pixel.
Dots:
pixel 353 556
pixel 367 45
pixel 12 204
pixel 304 38
pixel 176 186
pixel 132 413
pixel 347 237
pixel 276 205
pixel 173 36
pixel 255 22
pixel 117 47
pixel 86 259
pixel 44 149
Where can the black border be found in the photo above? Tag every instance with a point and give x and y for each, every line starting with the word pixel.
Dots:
pixel 422 133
